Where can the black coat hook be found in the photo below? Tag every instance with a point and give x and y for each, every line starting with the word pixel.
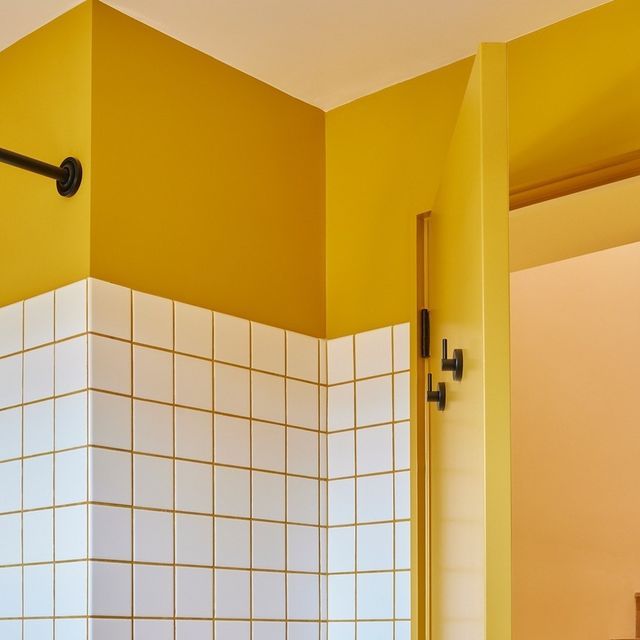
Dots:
pixel 439 396
pixel 454 364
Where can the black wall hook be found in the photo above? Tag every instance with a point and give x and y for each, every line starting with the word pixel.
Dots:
pixel 439 396
pixel 454 364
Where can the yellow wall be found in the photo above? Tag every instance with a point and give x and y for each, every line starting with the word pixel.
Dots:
pixel 45 110
pixel 209 185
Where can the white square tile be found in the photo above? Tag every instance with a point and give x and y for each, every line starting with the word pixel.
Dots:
pixel 152 536
pixel 11 630
pixel 302 500
pixel 303 597
pixel 302 548
pixel 268 397
pixel 375 498
pixel 403 630
pixel 341 454
pixel 71 365
pixel 232 540
pixel 71 421
pixel 109 589
pixel 374 401
pixel 71 476
pixel 37 536
pixel 401 347
pixel 267 348
pixel 38 428
pixel 152 320
pixel 232 341
pixel 268 544
pixel 193 330
pixel 37 478
pixel 231 390
pixel 268 496
pixel 341 502
pixel 322 444
pixel 11 590
pixel 110 476
pixel 401 396
pixel 38 374
pixel 342 549
pixel 72 629
pixel 193 382
pixel 340 407
pixel 402 445
pixel 232 594
pixel 375 630
pixel 38 590
pixel 38 320
pixel 232 630
pixel 105 629
pixel 10 539
pixel 268 446
pixel 11 433
pixel 375 449
pixel 153 629
pixel 268 595
pixel 71 533
pixel 194 629
pixel 302 404
pixel 194 488
pixel 109 365
pixel 375 547
pixel 232 492
pixel 71 587
pixel 152 374
pixel 375 595
pixel 10 381
pixel 152 482
pixel 11 329
pixel 109 309
pixel 71 310
pixel 110 533
pixel 340 357
pixel 302 356
pixel 403 545
pixel 304 631
pixel 403 594
pixel 110 420
pixel 302 452
pixel 194 592
pixel 323 361
pixel 402 495
pixel 342 597
pixel 37 630
pixel 373 353
pixel 323 413
pixel 153 427
pixel 194 434
pixel 232 441
pixel 194 539
pixel 11 483
pixel 269 630
pixel 153 591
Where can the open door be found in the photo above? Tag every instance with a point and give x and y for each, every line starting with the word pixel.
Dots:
pixel 468 450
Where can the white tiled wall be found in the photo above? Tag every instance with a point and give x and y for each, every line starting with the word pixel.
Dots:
pixel 166 473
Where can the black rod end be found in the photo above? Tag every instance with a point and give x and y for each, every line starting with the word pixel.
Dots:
pixel 69 185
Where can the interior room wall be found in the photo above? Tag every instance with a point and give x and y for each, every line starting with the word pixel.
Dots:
pixel 575 366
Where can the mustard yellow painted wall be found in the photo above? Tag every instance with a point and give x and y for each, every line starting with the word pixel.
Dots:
pixel 208 184
pixel 45 110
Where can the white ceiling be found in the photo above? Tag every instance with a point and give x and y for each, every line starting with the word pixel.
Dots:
pixel 325 52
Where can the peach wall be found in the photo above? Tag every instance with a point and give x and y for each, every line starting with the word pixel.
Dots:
pixel 576 446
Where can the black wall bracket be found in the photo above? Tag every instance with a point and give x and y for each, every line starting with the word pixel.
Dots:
pixel 68 175
pixel 439 396
pixel 454 364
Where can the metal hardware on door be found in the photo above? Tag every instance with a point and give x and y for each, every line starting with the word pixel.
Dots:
pixel 439 396
pixel 454 364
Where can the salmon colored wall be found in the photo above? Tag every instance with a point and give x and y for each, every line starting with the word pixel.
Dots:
pixel 209 185
pixel 575 350
pixel 45 111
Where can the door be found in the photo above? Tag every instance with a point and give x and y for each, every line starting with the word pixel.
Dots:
pixel 468 450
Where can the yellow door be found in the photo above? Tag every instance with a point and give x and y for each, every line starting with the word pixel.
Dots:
pixel 468 451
